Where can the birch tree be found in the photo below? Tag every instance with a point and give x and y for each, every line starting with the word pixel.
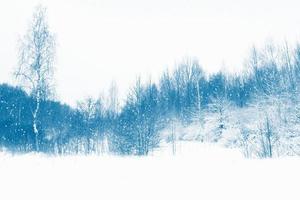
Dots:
pixel 35 68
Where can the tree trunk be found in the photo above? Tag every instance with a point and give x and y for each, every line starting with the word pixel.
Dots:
pixel 173 139
pixel 35 128
pixel 269 135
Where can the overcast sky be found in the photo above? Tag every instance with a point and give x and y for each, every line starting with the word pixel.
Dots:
pixel 104 40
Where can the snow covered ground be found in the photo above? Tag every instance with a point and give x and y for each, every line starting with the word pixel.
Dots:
pixel 198 171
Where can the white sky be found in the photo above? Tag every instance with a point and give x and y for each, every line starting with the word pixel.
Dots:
pixel 104 40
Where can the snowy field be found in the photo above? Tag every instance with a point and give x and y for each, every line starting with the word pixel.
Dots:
pixel 198 171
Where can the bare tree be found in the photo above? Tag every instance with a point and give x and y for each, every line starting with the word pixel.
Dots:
pixel 36 57
pixel 112 102
pixel 90 108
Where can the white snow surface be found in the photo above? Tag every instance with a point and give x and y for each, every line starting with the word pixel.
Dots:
pixel 197 171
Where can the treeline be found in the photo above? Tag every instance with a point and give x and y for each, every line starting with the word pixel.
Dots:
pixel 255 110
pixel 186 94
pixel 266 92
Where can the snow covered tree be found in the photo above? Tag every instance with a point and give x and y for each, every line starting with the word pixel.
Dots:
pixel 112 102
pixel 36 58
pixel 267 137
pixel 219 106
pixel 187 79
pixel 93 113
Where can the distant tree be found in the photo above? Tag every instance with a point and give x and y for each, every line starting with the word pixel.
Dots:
pixel 112 111
pixel 238 91
pixel 113 105
pixel 138 124
pixel 187 78
pixel 92 111
pixel 266 72
pixel 296 64
pixel 287 70
pixel 267 139
pixel 35 70
pixel 244 139
pixel 217 85
pixel 150 118
pixel 220 107
pixel 167 95
pixel 15 121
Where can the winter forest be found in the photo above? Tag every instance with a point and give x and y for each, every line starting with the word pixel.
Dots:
pixel 256 111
